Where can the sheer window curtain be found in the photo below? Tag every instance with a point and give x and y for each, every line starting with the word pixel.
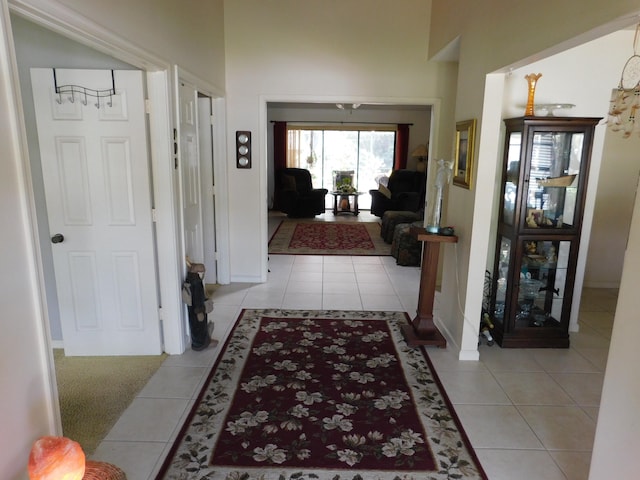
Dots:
pixel 286 149
pixel 293 148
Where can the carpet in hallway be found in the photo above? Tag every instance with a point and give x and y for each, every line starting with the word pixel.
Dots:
pixel 321 394
pixel 328 238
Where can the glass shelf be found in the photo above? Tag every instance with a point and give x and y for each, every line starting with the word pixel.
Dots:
pixel 552 179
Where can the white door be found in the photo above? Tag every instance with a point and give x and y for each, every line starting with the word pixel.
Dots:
pixel 207 185
pixel 190 170
pixel 95 166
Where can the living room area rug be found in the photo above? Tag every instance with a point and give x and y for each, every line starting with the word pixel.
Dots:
pixel 328 395
pixel 295 237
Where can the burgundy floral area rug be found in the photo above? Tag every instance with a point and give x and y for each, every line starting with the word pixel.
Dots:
pixel 328 238
pixel 326 395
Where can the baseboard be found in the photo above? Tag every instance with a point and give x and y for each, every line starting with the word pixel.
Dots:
pixel 57 343
pixel 469 355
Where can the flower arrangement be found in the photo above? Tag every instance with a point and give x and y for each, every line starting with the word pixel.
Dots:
pixel 346 188
pixel 344 184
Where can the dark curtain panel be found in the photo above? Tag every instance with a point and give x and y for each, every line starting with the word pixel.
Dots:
pixel 279 145
pixel 279 155
pixel 402 147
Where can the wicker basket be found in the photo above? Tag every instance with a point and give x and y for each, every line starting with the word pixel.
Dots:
pixel 102 471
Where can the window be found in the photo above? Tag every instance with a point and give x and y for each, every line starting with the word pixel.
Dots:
pixel 323 150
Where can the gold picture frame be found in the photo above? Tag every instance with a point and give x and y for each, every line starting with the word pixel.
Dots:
pixel 465 143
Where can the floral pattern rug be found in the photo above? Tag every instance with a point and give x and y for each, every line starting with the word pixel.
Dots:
pixel 329 395
pixel 328 238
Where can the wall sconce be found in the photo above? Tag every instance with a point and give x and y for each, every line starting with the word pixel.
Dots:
pixel 243 149
pixel 421 152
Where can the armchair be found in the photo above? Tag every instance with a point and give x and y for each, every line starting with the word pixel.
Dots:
pixel 405 191
pixel 294 194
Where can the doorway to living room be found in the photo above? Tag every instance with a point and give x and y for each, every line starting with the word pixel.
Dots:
pixel 346 139
pixel 346 158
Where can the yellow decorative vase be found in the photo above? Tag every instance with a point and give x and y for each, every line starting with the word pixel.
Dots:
pixel 532 79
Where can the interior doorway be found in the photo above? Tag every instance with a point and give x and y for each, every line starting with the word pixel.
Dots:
pixel 350 139
pixel 367 152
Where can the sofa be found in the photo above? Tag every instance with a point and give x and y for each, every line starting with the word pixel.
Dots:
pixel 405 191
pixel 294 194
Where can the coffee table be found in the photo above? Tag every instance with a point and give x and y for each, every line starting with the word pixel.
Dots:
pixel 342 203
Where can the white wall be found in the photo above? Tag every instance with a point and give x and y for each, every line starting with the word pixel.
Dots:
pixel 617 441
pixel 26 410
pixel 360 51
pixel 615 196
pixel 189 33
pixel 495 33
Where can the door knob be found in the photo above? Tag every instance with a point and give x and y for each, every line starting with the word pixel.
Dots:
pixel 57 238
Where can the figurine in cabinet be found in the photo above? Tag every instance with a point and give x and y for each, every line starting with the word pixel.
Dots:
pixel 551 255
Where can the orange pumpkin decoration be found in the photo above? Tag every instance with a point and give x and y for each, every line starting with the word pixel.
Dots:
pixel 56 458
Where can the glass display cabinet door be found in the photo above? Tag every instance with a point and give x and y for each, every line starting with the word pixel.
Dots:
pixel 553 180
pixel 504 256
pixel 512 177
pixel 543 279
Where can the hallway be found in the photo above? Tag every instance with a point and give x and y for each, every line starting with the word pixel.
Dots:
pixel 529 413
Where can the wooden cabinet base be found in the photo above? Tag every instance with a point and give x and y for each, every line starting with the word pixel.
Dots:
pixel 433 338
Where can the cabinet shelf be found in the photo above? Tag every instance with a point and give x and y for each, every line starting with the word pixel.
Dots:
pixel 546 165
pixel 563 181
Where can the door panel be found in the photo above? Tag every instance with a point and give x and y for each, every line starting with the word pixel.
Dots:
pixel 207 187
pixel 95 166
pixel 190 167
pixel 83 275
pixel 72 172
pixel 118 181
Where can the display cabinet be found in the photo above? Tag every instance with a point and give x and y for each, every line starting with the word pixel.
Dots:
pixel 544 181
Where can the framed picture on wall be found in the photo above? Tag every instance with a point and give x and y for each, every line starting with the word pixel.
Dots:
pixel 464 145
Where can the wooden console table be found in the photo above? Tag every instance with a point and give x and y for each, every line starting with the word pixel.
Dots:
pixel 422 330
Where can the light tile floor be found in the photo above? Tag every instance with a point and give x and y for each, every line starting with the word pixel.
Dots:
pixel 529 413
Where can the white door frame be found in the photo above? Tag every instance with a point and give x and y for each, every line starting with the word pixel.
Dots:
pixel 70 24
